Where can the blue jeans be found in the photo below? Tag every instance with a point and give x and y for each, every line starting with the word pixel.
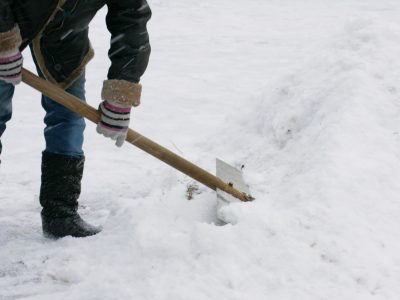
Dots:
pixel 64 129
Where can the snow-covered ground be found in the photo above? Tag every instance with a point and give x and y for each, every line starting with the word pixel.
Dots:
pixel 305 94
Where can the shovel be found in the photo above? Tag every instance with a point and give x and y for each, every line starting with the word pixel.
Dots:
pixel 229 184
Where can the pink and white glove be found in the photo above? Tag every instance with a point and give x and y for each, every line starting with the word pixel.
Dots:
pixel 118 98
pixel 114 122
pixel 10 66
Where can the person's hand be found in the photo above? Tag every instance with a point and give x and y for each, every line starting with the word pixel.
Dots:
pixel 11 66
pixel 118 98
pixel 114 121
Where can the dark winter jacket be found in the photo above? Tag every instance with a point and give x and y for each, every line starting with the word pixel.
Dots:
pixel 58 31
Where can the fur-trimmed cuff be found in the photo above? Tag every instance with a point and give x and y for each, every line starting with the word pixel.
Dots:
pixel 10 40
pixel 122 92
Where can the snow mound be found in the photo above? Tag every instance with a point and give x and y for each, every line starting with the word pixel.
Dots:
pixel 322 150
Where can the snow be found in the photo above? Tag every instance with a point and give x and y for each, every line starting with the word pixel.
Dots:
pixel 305 94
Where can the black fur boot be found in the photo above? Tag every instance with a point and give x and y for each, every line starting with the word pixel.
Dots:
pixel 59 193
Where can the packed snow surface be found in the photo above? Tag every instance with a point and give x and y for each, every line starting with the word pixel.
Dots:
pixel 305 94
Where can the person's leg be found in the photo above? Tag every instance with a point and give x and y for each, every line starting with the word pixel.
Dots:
pixel 62 168
pixel 6 95
pixel 64 128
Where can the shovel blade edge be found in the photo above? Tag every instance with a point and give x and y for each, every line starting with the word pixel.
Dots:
pixel 230 175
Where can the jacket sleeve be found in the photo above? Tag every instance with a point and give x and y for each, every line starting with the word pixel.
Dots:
pixel 6 16
pixel 129 51
pixel 10 37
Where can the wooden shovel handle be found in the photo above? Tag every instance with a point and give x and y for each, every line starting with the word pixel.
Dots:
pixel 73 103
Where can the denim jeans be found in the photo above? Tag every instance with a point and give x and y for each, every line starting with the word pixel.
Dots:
pixel 63 128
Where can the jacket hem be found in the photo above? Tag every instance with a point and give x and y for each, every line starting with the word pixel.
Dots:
pixel 41 61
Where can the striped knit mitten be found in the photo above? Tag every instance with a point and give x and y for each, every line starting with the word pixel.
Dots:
pixel 10 56
pixel 114 121
pixel 10 66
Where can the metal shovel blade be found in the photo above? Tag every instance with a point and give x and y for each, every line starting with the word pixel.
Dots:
pixel 232 176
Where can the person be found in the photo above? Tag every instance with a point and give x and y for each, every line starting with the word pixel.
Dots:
pixel 57 33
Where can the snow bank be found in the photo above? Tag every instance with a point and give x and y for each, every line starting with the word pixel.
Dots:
pixel 323 151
